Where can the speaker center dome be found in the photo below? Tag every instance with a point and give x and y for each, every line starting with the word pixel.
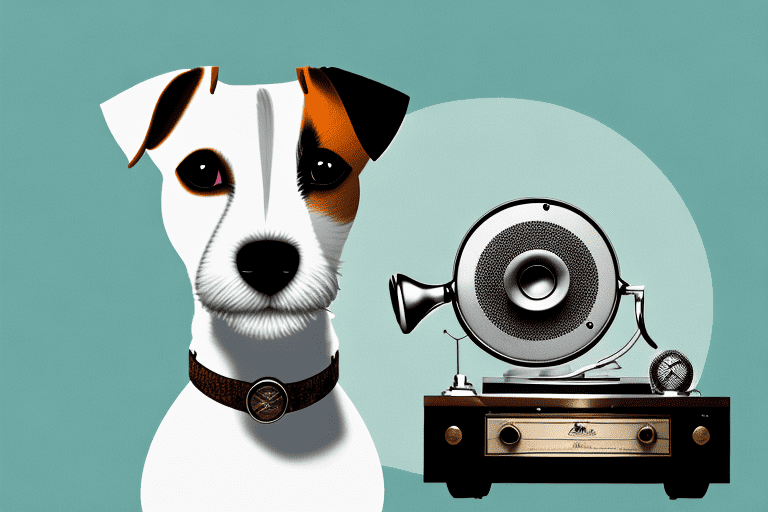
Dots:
pixel 537 282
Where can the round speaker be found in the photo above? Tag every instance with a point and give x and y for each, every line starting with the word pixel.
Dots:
pixel 535 283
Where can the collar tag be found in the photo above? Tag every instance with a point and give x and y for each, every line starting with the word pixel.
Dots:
pixel 267 400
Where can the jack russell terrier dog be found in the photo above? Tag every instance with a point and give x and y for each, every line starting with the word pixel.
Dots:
pixel 260 188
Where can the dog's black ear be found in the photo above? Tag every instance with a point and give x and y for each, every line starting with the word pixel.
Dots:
pixel 142 117
pixel 375 110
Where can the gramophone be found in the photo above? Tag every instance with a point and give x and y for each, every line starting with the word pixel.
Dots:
pixel 536 283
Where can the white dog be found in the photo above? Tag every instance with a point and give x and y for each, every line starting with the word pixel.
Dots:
pixel 260 188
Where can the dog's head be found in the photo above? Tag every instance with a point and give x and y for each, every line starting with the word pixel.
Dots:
pixel 260 183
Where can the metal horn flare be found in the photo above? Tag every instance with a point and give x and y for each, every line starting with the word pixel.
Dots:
pixel 412 300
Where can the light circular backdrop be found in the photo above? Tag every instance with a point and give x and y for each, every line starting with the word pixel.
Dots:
pixel 449 165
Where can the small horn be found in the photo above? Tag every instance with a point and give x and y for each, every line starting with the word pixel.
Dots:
pixel 412 300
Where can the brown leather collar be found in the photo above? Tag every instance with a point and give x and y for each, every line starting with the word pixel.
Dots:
pixel 266 399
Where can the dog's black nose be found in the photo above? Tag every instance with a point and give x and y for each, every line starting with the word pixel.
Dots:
pixel 268 265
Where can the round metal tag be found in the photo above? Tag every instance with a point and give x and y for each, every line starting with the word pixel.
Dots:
pixel 267 400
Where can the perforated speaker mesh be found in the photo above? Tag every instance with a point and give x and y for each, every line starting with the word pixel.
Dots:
pixel 547 325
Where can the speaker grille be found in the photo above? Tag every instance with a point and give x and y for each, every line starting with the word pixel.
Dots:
pixel 547 325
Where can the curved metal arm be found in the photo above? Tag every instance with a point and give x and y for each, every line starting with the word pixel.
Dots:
pixel 624 289
pixel 639 293
pixel 600 364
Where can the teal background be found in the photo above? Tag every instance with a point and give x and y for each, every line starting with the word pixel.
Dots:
pixel 95 306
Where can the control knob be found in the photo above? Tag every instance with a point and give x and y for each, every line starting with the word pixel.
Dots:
pixel 509 435
pixel 647 435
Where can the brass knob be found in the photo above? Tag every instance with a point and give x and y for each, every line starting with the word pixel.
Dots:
pixel 701 436
pixel 509 435
pixel 453 435
pixel 647 435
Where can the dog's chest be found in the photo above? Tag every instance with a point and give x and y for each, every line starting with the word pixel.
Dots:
pixel 206 456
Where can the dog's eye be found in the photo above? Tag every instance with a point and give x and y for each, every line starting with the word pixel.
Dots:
pixel 204 172
pixel 323 168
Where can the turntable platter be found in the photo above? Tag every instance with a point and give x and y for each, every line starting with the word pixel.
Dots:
pixel 592 386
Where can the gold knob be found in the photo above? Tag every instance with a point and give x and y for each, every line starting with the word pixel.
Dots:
pixel 701 436
pixel 453 435
pixel 647 435
pixel 509 435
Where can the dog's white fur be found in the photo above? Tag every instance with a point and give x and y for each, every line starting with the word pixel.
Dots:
pixel 206 456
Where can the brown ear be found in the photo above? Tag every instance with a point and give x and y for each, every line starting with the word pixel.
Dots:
pixel 214 78
pixel 168 110
pixel 375 110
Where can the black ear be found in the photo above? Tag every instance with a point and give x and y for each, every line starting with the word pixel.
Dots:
pixel 375 110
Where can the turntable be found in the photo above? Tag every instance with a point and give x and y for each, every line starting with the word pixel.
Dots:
pixel 536 284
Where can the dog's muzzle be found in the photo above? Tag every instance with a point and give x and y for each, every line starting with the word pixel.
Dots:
pixel 267 399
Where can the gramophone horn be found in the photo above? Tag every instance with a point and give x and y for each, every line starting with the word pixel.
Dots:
pixel 412 300
pixel 535 283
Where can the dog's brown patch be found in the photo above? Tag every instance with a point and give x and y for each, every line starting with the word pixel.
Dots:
pixel 325 113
